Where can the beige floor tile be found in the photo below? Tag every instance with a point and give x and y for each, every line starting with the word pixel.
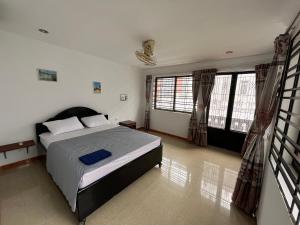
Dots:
pixel 193 187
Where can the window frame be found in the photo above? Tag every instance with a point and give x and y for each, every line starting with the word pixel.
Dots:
pixel 234 77
pixel 208 107
pixel 278 163
pixel 174 99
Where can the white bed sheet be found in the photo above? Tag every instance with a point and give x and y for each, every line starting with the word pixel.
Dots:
pixel 92 176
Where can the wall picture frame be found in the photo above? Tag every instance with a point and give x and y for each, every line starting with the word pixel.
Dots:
pixel 97 87
pixel 47 75
pixel 123 97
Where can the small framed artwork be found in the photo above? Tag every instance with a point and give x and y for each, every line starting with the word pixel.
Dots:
pixel 47 75
pixel 97 87
pixel 123 97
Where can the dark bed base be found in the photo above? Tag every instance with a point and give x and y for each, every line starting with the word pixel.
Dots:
pixel 92 197
pixel 96 194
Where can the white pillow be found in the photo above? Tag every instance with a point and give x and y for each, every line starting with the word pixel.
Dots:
pixel 95 121
pixel 63 126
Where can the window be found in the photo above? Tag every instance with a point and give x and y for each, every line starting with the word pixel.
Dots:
pixel 233 96
pixel 184 95
pixel 232 103
pixel 173 93
pixel 244 103
pixel 164 97
pixel 285 146
pixel 219 101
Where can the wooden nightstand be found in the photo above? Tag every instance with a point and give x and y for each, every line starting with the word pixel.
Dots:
pixel 128 123
pixel 15 146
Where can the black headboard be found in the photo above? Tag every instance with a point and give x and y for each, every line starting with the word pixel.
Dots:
pixel 74 111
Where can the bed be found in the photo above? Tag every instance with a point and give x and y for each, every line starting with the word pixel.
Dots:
pixel 86 188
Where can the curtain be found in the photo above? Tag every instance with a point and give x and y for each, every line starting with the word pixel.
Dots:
pixel 261 75
pixel 147 109
pixel 207 81
pixel 193 120
pixel 248 186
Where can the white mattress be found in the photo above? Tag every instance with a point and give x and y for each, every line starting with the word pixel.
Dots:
pixel 90 177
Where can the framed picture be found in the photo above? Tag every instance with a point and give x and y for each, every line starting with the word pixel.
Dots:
pixel 123 97
pixel 47 75
pixel 97 87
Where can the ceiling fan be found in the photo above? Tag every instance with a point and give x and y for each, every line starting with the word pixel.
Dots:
pixel 146 56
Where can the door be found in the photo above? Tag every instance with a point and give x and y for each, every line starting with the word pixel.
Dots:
pixel 231 109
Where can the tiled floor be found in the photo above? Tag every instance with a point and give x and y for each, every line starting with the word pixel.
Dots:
pixel 194 186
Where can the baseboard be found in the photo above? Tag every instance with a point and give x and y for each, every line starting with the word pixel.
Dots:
pixel 164 133
pixel 22 162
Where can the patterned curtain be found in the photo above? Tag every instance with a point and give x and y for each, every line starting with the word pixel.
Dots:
pixel 193 120
pixel 261 75
pixel 207 81
pixel 148 94
pixel 248 186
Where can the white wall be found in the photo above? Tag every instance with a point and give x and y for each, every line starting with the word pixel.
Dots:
pixel 24 100
pixel 177 123
pixel 272 210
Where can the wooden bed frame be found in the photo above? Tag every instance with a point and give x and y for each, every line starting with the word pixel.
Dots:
pixel 96 194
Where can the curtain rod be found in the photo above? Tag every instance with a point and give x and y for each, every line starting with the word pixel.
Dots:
pixel 291 26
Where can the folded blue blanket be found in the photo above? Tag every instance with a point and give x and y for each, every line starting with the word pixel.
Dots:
pixel 94 157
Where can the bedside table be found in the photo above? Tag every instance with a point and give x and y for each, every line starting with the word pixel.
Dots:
pixel 15 146
pixel 128 123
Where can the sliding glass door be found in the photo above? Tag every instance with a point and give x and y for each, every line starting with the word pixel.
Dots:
pixel 231 109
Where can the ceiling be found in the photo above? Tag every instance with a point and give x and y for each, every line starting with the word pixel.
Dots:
pixel 185 31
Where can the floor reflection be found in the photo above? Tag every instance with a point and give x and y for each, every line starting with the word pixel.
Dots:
pixel 217 183
pixel 209 181
pixel 228 187
pixel 175 172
